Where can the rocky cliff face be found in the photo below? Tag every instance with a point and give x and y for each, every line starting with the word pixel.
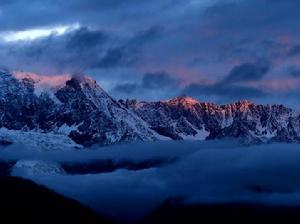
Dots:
pixel 187 118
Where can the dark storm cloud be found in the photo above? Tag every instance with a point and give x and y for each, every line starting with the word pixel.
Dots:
pixel 84 38
pixel 191 40
pixel 244 15
pixel 150 34
pixel 247 72
pixel 127 88
pixel 228 92
pixel 161 83
pixel 127 54
pixel 150 81
pixel 244 31
pixel 227 30
pixel 294 71
pixel 158 80
pixel 295 50
pixel 79 49
pixel 91 12
pixel 230 87
pixel 112 58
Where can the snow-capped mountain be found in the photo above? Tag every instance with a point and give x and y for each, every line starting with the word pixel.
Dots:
pixel 76 111
pixel 80 109
pixel 98 118
pixel 187 118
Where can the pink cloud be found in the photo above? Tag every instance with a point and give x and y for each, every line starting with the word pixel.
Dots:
pixel 44 80
pixel 276 84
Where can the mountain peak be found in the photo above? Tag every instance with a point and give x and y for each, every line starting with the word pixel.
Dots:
pixel 183 100
pixel 244 104
pixel 82 81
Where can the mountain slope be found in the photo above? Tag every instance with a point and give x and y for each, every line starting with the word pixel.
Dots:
pixel 17 102
pixel 26 202
pixel 80 109
pixel 98 117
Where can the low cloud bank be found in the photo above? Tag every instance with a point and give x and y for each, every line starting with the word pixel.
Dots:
pixel 205 172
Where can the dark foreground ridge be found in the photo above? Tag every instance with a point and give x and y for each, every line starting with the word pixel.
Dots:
pixel 22 200
pixel 26 202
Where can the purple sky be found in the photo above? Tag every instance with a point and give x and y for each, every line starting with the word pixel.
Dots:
pixel 214 50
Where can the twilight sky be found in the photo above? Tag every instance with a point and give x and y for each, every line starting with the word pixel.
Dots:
pixel 214 50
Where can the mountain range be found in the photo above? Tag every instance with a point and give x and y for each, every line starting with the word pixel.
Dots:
pixel 78 112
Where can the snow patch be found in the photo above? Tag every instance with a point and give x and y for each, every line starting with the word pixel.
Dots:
pixel 201 135
pixel 34 140
pixel 66 130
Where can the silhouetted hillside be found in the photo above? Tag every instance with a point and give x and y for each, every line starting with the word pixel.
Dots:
pixel 23 200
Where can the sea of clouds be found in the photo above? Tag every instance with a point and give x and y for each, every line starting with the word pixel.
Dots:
pixel 203 172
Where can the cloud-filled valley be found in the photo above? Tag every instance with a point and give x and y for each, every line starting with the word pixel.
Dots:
pixel 204 172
